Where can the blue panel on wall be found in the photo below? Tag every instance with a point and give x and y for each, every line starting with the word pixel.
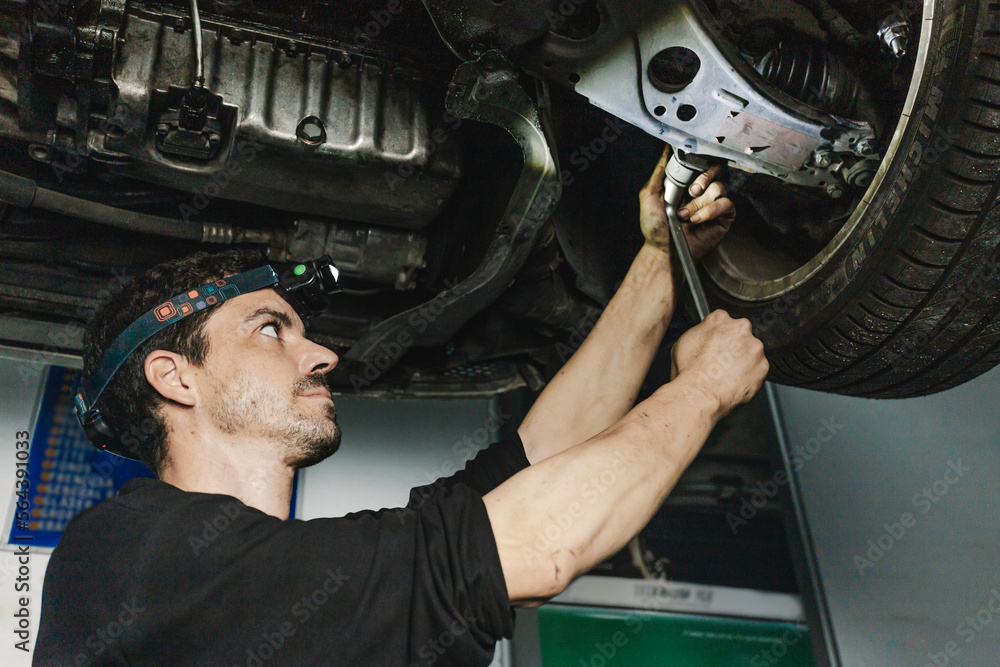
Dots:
pixel 66 474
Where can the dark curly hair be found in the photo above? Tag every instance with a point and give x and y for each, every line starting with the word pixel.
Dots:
pixel 129 403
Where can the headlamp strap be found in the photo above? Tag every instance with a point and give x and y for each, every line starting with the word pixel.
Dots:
pixel 164 315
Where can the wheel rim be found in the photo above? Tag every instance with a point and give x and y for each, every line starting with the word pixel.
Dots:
pixel 748 271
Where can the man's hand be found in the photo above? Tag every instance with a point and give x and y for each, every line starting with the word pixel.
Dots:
pixel 709 215
pixel 722 359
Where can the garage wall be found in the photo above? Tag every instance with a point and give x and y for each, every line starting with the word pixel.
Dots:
pixel 903 514
pixel 391 446
pixel 21 380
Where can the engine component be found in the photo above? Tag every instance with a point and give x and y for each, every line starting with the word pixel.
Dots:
pixel 376 254
pixel 191 123
pixel 65 64
pixel 862 174
pixel 757 24
pixel 249 139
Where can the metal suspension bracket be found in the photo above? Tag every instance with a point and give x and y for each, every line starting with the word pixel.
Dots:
pixel 695 91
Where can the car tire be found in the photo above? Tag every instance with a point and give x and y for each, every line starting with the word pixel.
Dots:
pixel 909 303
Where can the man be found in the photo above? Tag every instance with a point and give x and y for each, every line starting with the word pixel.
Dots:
pixel 202 566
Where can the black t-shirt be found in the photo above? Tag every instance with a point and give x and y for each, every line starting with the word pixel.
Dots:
pixel 158 575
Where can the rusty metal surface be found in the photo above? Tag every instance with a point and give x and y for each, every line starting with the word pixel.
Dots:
pixel 378 128
pixel 776 144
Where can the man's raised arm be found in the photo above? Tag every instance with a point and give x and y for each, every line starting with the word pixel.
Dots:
pixel 601 381
pixel 557 519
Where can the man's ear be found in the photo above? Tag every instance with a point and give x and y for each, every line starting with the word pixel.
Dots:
pixel 167 373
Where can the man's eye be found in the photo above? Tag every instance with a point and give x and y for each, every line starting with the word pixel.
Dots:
pixel 269 330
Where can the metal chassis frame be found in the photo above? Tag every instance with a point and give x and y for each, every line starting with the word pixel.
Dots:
pixel 740 118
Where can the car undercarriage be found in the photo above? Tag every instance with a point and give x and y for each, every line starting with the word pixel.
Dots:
pixel 471 167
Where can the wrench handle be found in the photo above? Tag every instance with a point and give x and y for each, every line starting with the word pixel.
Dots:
pixel 679 177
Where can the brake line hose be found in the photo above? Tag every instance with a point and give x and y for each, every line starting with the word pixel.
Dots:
pixel 24 193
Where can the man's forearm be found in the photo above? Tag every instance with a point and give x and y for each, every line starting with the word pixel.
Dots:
pixel 600 382
pixel 556 520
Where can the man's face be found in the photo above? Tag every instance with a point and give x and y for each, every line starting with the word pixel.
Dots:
pixel 265 379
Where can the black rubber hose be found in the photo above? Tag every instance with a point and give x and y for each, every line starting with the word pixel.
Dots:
pixel 25 193
pixel 56 202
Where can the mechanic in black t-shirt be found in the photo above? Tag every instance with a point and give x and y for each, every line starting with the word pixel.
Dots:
pixel 203 566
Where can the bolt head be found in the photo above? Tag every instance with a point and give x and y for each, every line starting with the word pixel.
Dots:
pixel 895 36
pixel 834 191
pixel 39 153
pixel 822 158
pixel 866 147
pixel 162 128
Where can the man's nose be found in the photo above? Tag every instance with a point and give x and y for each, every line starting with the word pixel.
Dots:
pixel 316 358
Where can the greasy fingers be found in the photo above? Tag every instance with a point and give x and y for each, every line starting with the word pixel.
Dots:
pixel 702 182
pixel 715 192
pixel 721 209
pixel 652 208
pixel 655 184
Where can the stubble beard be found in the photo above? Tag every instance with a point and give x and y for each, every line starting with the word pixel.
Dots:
pixel 245 405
